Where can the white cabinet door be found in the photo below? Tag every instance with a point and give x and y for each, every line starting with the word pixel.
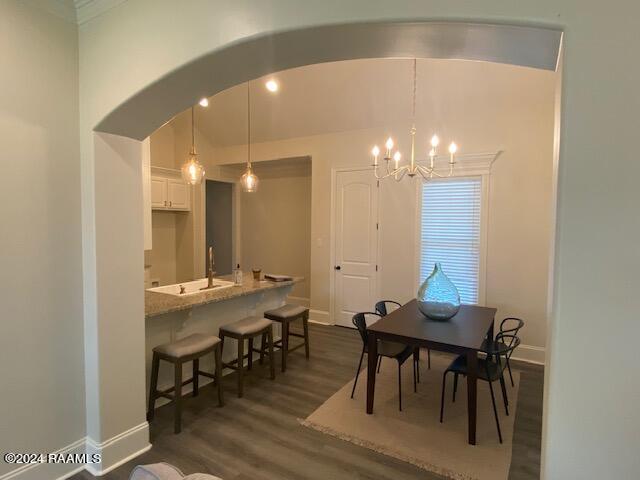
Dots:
pixel 356 245
pixel 178 194
pixel 159 193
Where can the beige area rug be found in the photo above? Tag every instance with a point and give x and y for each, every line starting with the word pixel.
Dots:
pixel 416 435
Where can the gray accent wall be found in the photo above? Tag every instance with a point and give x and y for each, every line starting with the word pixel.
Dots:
pixel 219 225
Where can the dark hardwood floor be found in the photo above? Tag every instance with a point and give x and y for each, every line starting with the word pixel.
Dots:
pixel 258 437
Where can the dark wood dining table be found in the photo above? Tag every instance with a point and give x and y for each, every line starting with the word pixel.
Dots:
pixel 462 334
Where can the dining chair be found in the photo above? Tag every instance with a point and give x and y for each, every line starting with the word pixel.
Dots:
pixel 508 326
pixel 490 369
pixel 382 307
pixel 397 351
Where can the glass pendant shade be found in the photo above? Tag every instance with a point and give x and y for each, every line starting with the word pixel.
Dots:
pixel 192 170
pixel 249 181
pixel 438 297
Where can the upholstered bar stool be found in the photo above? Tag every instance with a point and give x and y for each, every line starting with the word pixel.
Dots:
pixel 247 329
pixel 285 315
pixel 188 349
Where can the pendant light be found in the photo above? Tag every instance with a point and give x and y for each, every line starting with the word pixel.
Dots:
pixel 192 170
pixel 249 180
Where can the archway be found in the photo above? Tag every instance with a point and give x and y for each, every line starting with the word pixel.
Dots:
pixel 119 158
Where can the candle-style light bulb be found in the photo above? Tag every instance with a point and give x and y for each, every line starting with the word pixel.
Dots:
pixel 375 152
pixel 453 148
pixel 396 157
pixel 389 143
pixel 435 141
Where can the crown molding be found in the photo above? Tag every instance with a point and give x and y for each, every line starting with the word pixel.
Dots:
pixel 64 9
pixel 76 11
pixel 89 9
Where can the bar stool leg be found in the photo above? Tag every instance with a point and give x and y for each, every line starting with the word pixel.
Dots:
pixel 285 344
pixel 263 347
pixel 250 353
pixel 178 397
pixel 271 356
pixel 240 364
pixel 218 379
pixel 153 387
pixel 305 326
pixel 196 375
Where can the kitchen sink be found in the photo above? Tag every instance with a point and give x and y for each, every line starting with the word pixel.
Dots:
pixel 191 288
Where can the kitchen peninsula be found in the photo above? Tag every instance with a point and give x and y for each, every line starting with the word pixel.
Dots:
pixel 172 316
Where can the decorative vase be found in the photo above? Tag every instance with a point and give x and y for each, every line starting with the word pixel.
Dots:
pixel 438 297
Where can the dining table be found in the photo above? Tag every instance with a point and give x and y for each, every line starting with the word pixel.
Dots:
pixel 463 334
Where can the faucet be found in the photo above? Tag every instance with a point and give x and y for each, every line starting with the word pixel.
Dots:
pixel 211 272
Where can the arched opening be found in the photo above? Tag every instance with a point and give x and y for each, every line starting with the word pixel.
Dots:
pixel 159 102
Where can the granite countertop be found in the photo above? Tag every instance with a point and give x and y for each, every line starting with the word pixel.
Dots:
pixel 156 303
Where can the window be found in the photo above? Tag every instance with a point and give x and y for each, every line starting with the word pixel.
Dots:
pixel 450 232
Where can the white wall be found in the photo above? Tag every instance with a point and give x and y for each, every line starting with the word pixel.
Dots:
pixel 596 231
pixel 488 107
pixel 41 343
pixel 275 225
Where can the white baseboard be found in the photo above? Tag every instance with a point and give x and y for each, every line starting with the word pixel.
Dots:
pixel 302 301
pixel 319 316
pixel 117 450
pixel 114 452
pixel 529 354
pixel 59 471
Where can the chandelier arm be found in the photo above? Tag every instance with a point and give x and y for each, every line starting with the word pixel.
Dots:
pixel 399 176
pixel 381 177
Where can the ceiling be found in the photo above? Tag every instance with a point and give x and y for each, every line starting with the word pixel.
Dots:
pixel 362 94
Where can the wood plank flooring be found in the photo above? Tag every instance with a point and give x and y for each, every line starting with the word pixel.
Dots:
pixel 258 437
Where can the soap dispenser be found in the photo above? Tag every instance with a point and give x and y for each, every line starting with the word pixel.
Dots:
pixel 237 275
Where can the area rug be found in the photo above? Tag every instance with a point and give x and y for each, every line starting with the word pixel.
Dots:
pixel 416 435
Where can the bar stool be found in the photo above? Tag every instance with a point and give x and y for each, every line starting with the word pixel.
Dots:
pixel 285 315
pixel 188 349
pixel 247 329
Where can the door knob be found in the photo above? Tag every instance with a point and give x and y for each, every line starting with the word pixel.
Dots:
pixel 337 267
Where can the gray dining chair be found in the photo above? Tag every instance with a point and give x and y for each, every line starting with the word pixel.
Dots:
pixel 490 369
pixel 397 351
pixel 508 326
pixel 382 307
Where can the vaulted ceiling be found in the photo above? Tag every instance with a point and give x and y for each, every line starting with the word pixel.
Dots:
pixel 361 94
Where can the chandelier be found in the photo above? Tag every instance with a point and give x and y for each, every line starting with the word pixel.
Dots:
pixel 413 168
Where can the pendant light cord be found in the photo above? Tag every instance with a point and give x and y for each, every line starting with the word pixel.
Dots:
pixel 248 124
pixel 193 132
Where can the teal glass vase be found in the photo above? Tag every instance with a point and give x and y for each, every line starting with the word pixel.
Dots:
pixel 438 297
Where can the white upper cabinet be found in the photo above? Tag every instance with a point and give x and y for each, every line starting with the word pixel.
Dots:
pixel 169 191
pixel 159 196
pixel 178 194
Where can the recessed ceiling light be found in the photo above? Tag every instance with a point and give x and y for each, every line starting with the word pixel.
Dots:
pixel 272 85
pixel 204 102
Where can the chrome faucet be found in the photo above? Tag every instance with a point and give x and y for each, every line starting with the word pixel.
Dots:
pixel 211 272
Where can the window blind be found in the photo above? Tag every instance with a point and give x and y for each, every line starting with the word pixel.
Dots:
pixel 450 232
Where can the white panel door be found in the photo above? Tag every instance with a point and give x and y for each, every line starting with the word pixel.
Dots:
pixel 178 194
pixel 159 192
pixel 356 244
